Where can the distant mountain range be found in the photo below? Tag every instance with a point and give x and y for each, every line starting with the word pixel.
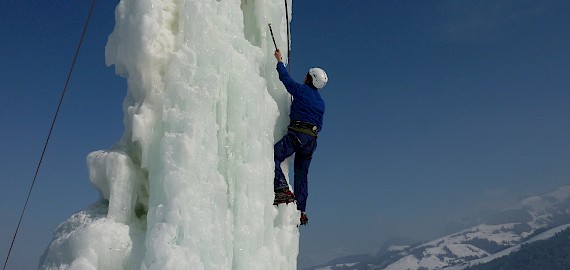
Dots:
pixel 533 219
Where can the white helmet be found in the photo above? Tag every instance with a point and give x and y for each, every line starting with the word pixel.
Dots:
pixel 319 77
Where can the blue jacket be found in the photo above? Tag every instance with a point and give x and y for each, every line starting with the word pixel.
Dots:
pixel 307 105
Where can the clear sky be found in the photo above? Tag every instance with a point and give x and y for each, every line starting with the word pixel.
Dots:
pixel 436 110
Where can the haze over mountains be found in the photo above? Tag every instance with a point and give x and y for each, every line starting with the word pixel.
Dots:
pixel 532 219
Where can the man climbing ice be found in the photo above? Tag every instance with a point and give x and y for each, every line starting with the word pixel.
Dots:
pixel 306 118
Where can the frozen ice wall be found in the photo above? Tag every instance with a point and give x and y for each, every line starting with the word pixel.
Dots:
pixel 189 185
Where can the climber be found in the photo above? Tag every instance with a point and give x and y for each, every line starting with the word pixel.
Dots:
pixel 306 118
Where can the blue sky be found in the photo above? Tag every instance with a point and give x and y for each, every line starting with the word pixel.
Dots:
pixel 436 110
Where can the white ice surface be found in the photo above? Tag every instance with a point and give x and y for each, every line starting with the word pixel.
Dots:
pixel 190 183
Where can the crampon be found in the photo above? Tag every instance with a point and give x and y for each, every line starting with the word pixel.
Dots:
pixel 283 196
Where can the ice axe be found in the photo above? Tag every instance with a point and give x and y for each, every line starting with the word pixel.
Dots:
pixel 273 37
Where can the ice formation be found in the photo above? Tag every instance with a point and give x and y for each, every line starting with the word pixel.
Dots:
pixel 189 184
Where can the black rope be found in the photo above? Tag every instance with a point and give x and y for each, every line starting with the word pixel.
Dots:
pixel 49 134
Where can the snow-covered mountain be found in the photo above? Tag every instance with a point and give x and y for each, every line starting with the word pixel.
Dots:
pixel 533 218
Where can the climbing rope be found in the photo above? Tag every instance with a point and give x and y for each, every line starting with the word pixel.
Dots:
pixel 288 41
pixel 49 133
pixel 288 38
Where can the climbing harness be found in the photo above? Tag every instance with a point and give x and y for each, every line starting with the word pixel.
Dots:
pixel 304 127
pixel 49 133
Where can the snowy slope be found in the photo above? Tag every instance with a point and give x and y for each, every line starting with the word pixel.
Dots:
pixel 533 218
pixel 543 236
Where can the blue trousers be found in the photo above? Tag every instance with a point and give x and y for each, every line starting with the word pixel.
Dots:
pixel 303 146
